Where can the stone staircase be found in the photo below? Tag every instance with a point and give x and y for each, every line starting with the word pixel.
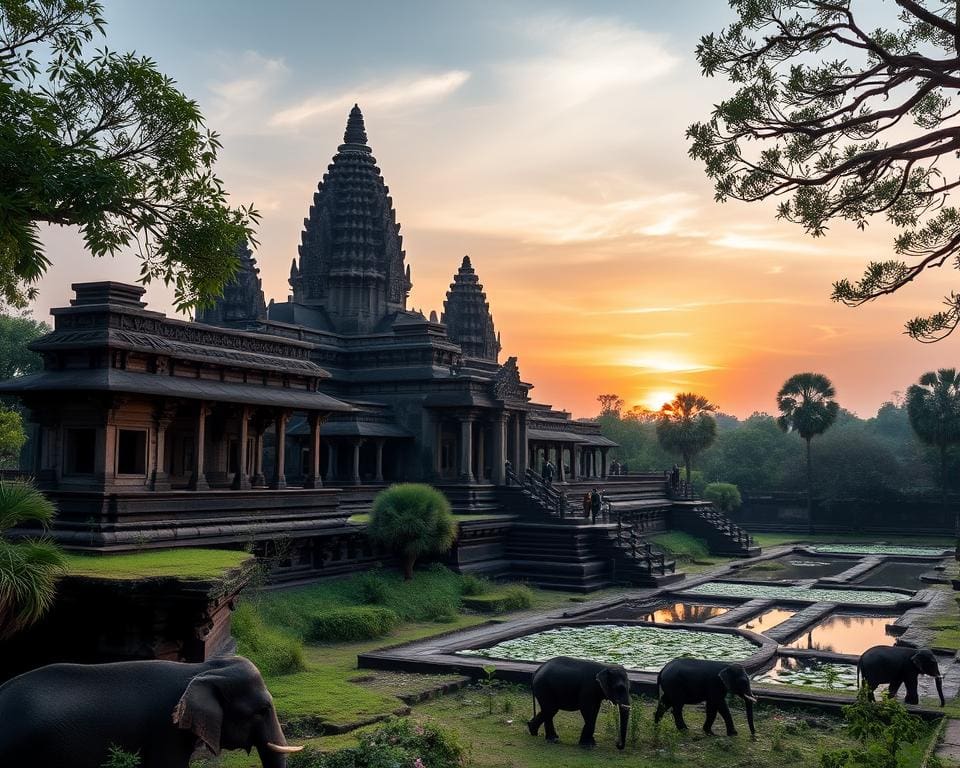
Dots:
pixel 702 519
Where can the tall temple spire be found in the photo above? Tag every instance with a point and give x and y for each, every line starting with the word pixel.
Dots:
pixel 467 315
pixel 242 304
pixel 351 256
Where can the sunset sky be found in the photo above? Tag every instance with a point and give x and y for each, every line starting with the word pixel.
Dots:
pixel 545 140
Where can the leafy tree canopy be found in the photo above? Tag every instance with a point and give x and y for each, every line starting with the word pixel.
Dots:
pixel 687 426
pixel 838 121
pixel 16 333
pixel 106 143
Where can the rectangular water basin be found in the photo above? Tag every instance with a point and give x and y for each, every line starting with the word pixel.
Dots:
pixel 767 620
pixel 897 574
pixel 810 673
pixel 877 549
pixel 794 567
pixel 846 633
pixel 786 592
pixel 662 613
pixel 644 648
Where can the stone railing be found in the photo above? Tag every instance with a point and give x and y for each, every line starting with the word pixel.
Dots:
pixel 552 500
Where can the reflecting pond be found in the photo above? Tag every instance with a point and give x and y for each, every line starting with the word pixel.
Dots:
pixel 642 648
pixel 894 574
pixel 768 620
pixel 811 672
pixel 690 613
pixel 846 633
pixel 807 594
pixel 793 567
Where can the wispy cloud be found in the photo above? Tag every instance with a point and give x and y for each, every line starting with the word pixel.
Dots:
pixel 248 79
pixel 743 242
pixel 407 92
pixel 653 336
pixel 690 306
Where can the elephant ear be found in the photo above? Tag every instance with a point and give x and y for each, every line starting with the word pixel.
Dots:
pixel 199 710
pixel 603 680
pixel 727 678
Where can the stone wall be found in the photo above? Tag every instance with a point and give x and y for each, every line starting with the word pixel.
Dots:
pixel 894 515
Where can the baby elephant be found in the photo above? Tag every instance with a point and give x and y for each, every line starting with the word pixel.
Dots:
pixel 571 684
pixel 898 665
pixel 691 681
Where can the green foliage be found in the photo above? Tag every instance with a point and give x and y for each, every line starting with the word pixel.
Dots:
pixel 475 585
pixel 351 624
pixel 412 519
pixel 686 426
pixel 725 496
pixel 682 546
pixel 120 759
pixel 807 127
pixel 12 438
pixel 933 406
pixel 806 405
pixel 187 563
pixel 29 567
pixel 400 742
pixel 17 332
pixel 106 143
pixel 273 651
pixel 515 597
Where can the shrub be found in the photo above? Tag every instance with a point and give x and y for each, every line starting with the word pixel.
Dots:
pixel 474 585
pixel 274 652
pixel 512 598
pixel 353 623
pixel 399 743
pixel 372 589
pixel 412 520
pixel 726 496
pixel 117 758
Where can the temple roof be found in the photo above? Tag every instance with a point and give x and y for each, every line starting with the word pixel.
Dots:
pixel 467 315
pixel 351 257
pixel 242 304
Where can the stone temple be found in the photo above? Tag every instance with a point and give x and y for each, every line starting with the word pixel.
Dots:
pixel 267 421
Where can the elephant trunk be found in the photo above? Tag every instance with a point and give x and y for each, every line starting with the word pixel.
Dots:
pixel 274 750
pixel 939 681
pixel 748 703
pixel 624 722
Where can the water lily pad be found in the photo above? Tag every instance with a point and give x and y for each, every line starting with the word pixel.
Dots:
pixel 808 594
pixel 875 549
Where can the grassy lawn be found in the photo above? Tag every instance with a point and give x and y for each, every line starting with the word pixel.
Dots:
pixel 363 519
pixel 190 564
pixel 691 554
pixel 778 539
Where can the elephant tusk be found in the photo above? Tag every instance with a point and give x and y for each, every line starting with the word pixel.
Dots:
pixel 751 698
pixel 282 749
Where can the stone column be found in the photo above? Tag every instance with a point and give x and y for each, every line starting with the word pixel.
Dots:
pixel 162 418
pixel 314 479
pixel 331 460
pixel 198 482
pixel 561 475
pixel 466 449
pixel 603 462
pixel 240 480
pixel 438 447
pixel 355 469
pixel 517 454
pixel 574 457
pixel 279 466
pixel 380 460
pixel 481 474
pixel 499 449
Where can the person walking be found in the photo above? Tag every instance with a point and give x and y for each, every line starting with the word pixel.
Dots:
pixel 595 502
pixel 587 505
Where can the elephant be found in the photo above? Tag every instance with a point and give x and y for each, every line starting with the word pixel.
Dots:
pixel 72 714
pixel 899 665
pixel 572 684
pixel 691 681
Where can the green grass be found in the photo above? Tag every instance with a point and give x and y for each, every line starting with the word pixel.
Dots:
pixel 779 539
pixel 692 554
pixel 189 564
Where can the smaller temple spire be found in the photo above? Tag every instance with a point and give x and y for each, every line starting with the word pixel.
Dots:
pixel 355 132
pixel 466 314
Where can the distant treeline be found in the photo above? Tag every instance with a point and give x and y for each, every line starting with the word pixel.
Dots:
pixel 866 458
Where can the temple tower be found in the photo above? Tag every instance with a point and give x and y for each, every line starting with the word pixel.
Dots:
pixel 242 304
pixel 351 257
pixel 467 315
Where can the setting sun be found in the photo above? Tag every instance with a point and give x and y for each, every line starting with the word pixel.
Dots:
pixel 655 399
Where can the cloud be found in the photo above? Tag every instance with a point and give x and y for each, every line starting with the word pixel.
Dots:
pixel 251 76
pixel 741 242
pixel 652 336
pixel 381 96
pixel 689 306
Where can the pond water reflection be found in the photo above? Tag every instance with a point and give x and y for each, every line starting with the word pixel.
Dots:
pixel 895 574
pixel 793 567
pixel 767 620
pixel 811 672
pixel 846 633
pixel 670 613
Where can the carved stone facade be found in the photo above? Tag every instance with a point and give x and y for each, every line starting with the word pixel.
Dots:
pixel 466 314
pixel 242 304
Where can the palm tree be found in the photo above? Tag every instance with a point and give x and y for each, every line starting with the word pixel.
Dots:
pixel 807 407
pixel 29 567
pixel 686 426
pixel 933 406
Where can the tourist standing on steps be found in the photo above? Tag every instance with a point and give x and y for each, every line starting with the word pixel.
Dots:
pixel 587 505
pixel 675 478
pixel 594 504
pixel 548 473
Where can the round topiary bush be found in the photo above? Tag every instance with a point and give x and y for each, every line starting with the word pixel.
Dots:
pixel 412 520
pixel 726 496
